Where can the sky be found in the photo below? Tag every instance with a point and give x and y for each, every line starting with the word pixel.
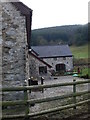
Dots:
pixel 49 13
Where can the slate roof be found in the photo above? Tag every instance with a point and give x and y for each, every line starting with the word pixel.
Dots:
pixel 52 51
pixel 40 59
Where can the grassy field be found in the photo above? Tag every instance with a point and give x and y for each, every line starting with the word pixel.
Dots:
pixel 80 51
pixel 86 71
pixel 81 56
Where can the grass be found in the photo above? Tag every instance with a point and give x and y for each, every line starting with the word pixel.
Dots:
pixel 86 71
pixel 80 51
pixel 81 56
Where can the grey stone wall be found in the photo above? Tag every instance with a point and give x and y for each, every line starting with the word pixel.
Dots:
pixel 0 59
pixel 68 61
pixel 0 45
pixel 14 50
pixel 34 65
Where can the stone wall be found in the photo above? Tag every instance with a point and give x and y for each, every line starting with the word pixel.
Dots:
pixel 68 61
pixel 14 50
pixel 0 45
pixel 0 59
pixel 34 65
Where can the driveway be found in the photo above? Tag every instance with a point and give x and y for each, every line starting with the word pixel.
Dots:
pixel 56 91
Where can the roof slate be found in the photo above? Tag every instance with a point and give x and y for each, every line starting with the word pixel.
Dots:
pixel 40 59
pixel 52 51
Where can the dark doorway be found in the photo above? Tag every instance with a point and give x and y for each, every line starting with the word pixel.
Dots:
pixel 42 69
pixel 60 67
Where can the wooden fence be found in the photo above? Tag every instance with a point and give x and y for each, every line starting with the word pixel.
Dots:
pixel 27 102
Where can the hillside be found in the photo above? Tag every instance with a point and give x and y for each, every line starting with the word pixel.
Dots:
pixel 69 34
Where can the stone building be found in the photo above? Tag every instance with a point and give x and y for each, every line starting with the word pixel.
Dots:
pixel 59 57
pixel 15 33
pixel 36 66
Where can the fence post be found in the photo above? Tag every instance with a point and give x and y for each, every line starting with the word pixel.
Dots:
pixel 42 83
pixel 29 83
pixel 27 105
pixel 74 91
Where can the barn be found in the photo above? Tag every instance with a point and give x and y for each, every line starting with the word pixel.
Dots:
pixel 37 66
pixel 57 56
pixel 15 34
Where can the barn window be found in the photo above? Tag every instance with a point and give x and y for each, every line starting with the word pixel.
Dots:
pixel 42 69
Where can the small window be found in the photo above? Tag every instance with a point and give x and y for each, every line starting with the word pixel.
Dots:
pixel 42 70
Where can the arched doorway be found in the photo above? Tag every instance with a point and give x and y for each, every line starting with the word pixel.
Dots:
pixel 60 67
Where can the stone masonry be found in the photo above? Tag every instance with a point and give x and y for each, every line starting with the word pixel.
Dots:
pixel 34 65
pixel 0 58
pixel 68 61
pixel 14 49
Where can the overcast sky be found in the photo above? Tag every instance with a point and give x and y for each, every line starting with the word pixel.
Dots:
pixel 48 13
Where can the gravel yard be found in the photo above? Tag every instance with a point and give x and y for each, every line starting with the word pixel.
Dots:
pixel 56 91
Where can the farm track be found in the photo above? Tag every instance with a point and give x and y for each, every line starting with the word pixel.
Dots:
pixel 82 116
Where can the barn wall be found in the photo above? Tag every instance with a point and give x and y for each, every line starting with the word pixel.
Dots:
pixel 0 58
pixel 68 61
pixel 34 67
pixel 14 50
pixel 0 45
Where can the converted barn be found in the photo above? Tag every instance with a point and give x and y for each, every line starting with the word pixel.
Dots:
pixel 58 56
pixel 37 66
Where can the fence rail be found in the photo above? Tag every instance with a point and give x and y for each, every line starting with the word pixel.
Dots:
pixel 27 102
pixel 21 102
pixel 22 88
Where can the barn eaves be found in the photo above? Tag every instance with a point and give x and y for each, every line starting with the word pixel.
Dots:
pixel 30 52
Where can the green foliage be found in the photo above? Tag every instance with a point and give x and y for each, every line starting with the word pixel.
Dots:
pixel 85 71
pixel 70 34
pixel 80 51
